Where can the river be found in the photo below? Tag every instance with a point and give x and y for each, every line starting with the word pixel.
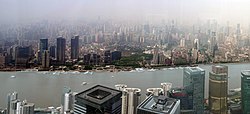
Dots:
pixel 45 89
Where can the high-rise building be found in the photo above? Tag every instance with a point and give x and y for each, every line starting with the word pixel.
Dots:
pixel 11 97
pixel 107 57
pixel 52 51
pixel 156 55
pixel 245 91
pixel 15 106
pixel 159 105
pixel 45 59
pixel 23 54
pixel 98 100
pixel 218 80
pixel 130 100
pixel 43 45
pixel 194 84
pixel 67 100
pixel 60 50
pixel 75 47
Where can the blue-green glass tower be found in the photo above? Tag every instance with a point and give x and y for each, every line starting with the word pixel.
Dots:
pixel 245 91
pixel 194 84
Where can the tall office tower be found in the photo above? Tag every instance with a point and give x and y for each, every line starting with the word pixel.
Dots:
pixel 75 47
pixel 159 105
pixel 60 50
pixel 245 91
pixel 213 42
pixel 130 100
pixel 98 100
pixel 43 45
pixel 45 59
pixel 11 97
pixel 238 35
pixel 52 51
pixel 154 91
pixel 107 57
pixel 218 87
pixel 166 87
pixel 156 55
pixel 194 84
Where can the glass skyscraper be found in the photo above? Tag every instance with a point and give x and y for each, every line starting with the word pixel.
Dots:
pixel 60 50
pixel 194 84
pixel 43 45
pixel 245 91
pixel 218 89
pixel 75 47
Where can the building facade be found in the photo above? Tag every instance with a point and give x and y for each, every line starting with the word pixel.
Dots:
pixel 194 84
pixel 245 91
pixel 130 100
pixel 45 59
pixel 60 50
pixel 75 47
pixel 218 89
pixel 43 45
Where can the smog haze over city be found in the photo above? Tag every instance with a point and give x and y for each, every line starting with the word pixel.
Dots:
pixel 184 11
pixel 124 56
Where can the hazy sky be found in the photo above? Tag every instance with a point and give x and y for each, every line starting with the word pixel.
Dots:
pixel 182 10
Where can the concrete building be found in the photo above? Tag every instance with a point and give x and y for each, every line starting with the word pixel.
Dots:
pixel 194 84
pixel 130 100
pixel 43 45
pixel 98 100
pixel 67 100
pixel 11 97
pixel 166 87
pixel 218 89
pixel 2 60
pixel 159 105
pixel 45 59
pixel 245 91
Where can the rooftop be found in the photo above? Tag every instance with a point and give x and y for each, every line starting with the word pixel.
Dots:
pixel 159 104
pixel 98 94
pixel 245 73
